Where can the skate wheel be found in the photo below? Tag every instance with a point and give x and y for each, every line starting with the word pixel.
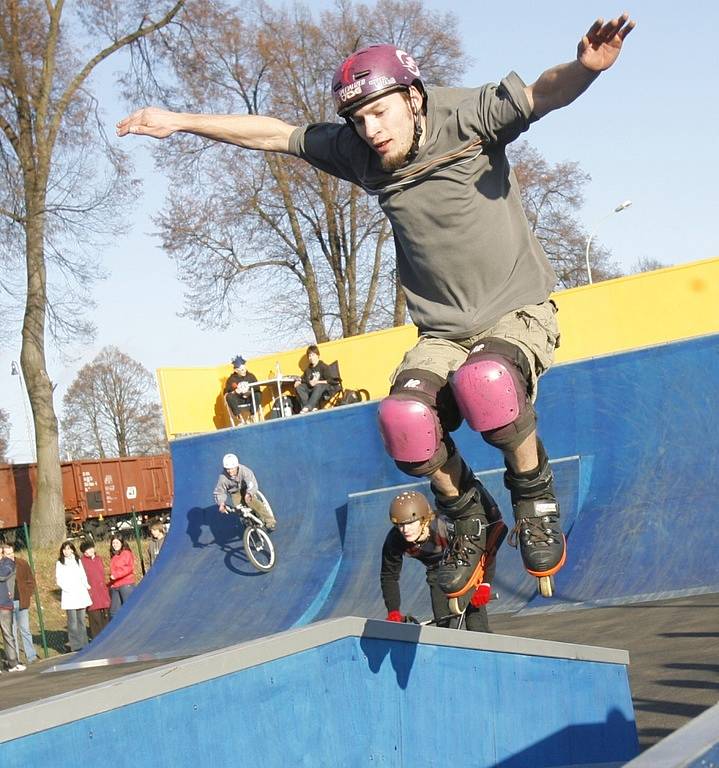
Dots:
pixel 546 586
pixel 454 606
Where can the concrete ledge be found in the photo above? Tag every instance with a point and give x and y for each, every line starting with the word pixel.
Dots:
pixel 694 745
pixel 66 708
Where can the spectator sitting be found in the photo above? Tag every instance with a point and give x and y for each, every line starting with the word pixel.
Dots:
pixel 157 539
pixel 242 400
pixel 97 612
pixel 122 573
pixel 315 383
pixel 24 589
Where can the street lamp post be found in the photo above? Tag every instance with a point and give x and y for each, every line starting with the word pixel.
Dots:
pixel 619 208
pixel 16 371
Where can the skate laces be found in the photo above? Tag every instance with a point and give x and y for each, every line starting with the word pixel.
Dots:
pixel 534 531
pixel 463 545
pixel 458 551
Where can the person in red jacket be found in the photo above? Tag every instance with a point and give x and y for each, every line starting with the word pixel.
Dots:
pixel 97 613
pixel 122 573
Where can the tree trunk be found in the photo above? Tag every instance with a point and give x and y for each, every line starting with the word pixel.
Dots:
pixel 47 525
pixel 400 303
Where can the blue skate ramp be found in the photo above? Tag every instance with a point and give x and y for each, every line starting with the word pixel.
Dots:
pixel 346 692
pixel 635 443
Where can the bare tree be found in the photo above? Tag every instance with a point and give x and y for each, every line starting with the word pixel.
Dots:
pixel 240 223
pixel 552 195
pixel 646 264
pixel 54 201
pixel 4 435
pixel 111 409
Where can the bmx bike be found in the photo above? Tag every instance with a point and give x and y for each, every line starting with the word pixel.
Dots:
pixel 256 541
pixel 451 620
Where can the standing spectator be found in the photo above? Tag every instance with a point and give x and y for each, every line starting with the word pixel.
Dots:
pixel 316 381
pixel 157 539
pixel 7 588
pixel 97 613
pixel 70 577
pixel 24 589
pixel 122 573
pixel 242 399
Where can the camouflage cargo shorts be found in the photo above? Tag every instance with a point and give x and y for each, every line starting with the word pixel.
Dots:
pixel 532 328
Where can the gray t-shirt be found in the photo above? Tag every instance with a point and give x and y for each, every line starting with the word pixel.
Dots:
pixel 465 251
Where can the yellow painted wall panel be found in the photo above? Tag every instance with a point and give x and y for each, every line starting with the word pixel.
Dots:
pixel 605 318
pixel 639 310
pixel 192 397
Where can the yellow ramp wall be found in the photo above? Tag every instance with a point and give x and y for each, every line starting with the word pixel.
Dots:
pixel 639 310
pixel 192 397
pixel 604 318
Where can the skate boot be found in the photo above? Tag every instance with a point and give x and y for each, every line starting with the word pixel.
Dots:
pixel 537 530
pixel 475 532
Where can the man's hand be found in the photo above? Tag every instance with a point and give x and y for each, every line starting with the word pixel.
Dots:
pixel 150 121
pixel 223 509
pixel 597 50
pixel 600 47
pixel 248 497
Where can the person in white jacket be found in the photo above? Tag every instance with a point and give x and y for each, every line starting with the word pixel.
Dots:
pixel 70 577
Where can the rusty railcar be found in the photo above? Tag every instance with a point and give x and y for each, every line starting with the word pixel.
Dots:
pixel 93 490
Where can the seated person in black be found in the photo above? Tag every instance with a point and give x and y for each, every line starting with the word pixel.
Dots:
pixel 238 393
pixel 316 382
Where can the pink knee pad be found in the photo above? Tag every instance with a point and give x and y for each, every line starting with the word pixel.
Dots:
pixel 490 391
pixel 410 429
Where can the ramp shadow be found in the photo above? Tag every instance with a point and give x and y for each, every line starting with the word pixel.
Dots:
pixel 341 516
pixel 208 527
pixel 401 654
pixel 614 740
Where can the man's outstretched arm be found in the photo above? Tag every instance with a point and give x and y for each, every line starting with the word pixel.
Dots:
pixel 250 131
pixel 597 51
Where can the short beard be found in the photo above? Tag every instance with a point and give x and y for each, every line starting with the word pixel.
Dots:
pixel 394 162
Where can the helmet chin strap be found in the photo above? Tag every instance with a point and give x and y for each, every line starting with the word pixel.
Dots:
pixel 417 134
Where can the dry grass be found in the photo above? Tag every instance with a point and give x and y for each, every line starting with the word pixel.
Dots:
pixel 54 619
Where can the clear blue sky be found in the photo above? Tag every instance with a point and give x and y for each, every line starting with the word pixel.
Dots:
pixel 645 131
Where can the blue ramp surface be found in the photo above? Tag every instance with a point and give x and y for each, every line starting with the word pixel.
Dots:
pixel 635 438
pixel 284 701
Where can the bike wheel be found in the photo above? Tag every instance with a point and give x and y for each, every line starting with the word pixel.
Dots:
pixel 259 548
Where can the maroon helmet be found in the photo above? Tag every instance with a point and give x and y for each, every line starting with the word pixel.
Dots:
pixel 372 72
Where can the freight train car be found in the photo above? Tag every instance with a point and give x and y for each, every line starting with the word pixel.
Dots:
pixel 96 491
